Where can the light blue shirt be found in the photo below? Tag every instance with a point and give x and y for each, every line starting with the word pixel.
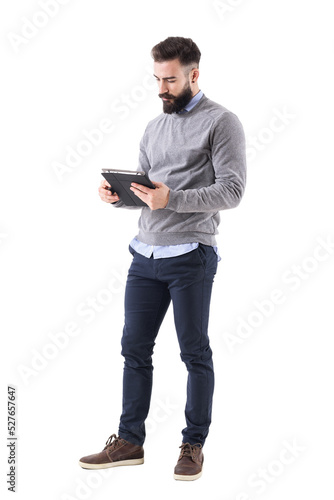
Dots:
pixel 165 251
pixel 192 103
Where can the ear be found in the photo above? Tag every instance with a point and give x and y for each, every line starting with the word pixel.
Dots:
pixel 194 75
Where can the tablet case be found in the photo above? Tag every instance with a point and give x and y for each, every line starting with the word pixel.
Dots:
pixel 121 180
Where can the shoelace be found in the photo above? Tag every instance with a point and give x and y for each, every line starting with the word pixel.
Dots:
pixel 112 443
pixel 187 450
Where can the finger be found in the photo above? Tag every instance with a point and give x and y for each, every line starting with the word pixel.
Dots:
pixel 140 187
pixel 113 199
pixel 107 190
pixel 104 192
pixel 138 193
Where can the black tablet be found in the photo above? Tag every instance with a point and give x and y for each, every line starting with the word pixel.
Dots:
pixel 121 180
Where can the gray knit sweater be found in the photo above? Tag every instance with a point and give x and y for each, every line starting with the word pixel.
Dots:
pixel 200 156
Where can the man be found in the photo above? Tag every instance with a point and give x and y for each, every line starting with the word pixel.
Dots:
pixel 194 153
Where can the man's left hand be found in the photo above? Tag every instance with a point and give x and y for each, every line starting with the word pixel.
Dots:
pixel 154 198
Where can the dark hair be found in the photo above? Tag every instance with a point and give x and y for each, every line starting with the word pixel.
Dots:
pixel 177 47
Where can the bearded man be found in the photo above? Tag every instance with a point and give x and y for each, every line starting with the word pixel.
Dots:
pixel 194 153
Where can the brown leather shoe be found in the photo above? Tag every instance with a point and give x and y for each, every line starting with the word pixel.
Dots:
pixel 116 452
pixel 190 463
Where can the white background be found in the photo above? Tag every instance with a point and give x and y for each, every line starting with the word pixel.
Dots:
pixel 61 247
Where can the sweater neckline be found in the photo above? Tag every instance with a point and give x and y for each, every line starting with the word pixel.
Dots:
pixel 182 116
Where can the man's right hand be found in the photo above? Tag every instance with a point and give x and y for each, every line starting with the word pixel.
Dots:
pixel 105 193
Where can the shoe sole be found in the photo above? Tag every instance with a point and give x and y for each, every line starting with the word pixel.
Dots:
pixel 137 461
pixel 184 477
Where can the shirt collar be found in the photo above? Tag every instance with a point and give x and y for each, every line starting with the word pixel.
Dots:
pixel 192 103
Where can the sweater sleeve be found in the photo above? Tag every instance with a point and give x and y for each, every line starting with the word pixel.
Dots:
pixel 228 158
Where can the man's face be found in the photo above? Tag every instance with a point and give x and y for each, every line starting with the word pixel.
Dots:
pixel 174 85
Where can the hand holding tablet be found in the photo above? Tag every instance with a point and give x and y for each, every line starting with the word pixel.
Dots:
pixel 120 183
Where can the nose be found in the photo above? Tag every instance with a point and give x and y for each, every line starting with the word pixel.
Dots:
pixel 163 87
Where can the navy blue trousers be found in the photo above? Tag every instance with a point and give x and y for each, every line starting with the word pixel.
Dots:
pixel 152 284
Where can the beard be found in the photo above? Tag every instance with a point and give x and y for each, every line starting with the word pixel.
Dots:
pixel 177 103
